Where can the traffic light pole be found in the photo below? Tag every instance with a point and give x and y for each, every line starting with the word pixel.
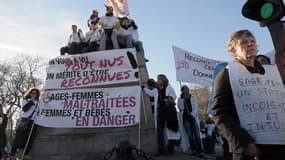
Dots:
pixel 277 31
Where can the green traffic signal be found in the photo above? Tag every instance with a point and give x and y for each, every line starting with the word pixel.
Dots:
pixel 266 10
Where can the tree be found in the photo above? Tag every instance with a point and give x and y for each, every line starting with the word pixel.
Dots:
pixel 17 75
pixel 202 95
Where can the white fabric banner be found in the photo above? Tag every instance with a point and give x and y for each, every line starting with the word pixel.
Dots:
pixel 193 68
pixel 86 108
pixel 260 103
pixel 92 69
pixel 120 7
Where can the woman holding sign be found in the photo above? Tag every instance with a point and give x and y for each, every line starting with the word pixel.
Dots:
pixel 248 103
pixel 26 130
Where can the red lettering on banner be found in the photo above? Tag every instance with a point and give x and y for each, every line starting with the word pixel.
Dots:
pixel 82 121
pixel 118 102
pixel 68 104
pixel 132 101
pixel 114 120
pixel 182 64
pixel 110 63
pixel 80 66
pixel 88 80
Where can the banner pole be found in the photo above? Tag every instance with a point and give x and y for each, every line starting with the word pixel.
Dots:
pixel 28 140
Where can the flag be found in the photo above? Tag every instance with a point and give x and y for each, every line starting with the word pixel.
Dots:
pixel 120 7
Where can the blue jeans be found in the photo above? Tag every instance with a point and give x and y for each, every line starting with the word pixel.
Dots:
pixel 139 46
pixel 126 40
pixel 193 133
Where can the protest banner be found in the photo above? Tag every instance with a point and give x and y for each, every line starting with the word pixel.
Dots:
pixel 260 103
pixel 92 69
pixel 193 68
pixel 85 108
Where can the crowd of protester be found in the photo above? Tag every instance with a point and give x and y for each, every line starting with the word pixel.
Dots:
pixel 179 124
pixel 194 136
pixel 105 32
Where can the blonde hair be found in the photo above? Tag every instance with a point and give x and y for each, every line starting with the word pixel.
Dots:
pixel 235 36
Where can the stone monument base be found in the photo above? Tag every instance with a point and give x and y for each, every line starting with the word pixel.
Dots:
pixel 88 144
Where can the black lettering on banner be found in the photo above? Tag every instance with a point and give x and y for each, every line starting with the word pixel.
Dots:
pixel 68 74
pixel 197 73
pixel 50 76
pixel 85 73
pixel 83 59
pixel 249 81
pixel 56 112
pixel 58 96
pixel 263 106
pixel 244 93
pixel 62 60
pixel 262 126
pixel 208 67
pixel 97 112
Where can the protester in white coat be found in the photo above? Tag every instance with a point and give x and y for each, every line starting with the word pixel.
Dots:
pixel 165 114
pixel 26 130
pixel 189 122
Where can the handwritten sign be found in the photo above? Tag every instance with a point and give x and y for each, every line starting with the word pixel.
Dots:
pixel 260 103
pixel 92 69
pixel 193 68
pixel 82 108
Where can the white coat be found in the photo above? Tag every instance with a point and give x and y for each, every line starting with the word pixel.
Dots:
pixel 185 145
pixel 154 93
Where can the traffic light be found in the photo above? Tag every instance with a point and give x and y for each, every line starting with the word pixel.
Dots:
pixel 264 11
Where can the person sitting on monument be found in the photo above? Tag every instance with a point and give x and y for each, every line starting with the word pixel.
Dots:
pixel 243 109
pixel 123 35
pixel 109 23
pixel 133 30
pixel 94 18
pixel 75 42
pixel 93 37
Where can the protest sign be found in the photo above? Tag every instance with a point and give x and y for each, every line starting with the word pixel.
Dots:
pixel 260 103
pixel 92 69
pixel 193 68
pixel 96 107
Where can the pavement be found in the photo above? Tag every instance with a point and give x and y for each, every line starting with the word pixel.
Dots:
pixel 184 156
pixel 180 155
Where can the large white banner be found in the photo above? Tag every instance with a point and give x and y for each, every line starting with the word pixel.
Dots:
pixel 92 69
pixel 85 108
pixel 260 103
pixel 193 68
